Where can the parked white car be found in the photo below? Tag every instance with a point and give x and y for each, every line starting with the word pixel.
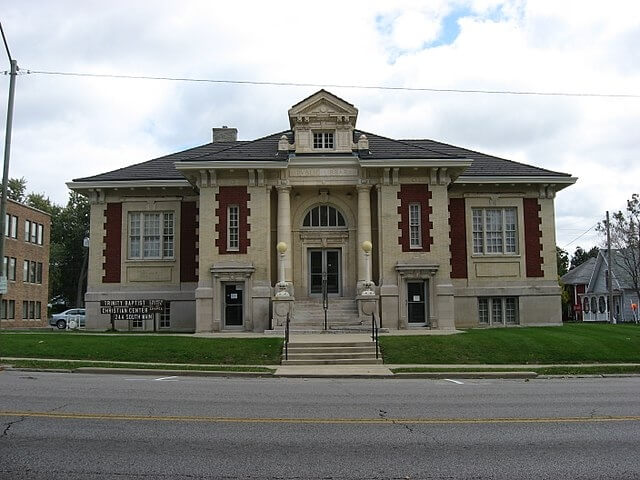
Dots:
pixel 72 318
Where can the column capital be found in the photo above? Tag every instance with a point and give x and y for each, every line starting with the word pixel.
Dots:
pixel 283 188
pixel 363 187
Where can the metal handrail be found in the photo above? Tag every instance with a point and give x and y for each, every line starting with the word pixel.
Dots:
pixel 374 333
pixel 286 338
pixel 325 298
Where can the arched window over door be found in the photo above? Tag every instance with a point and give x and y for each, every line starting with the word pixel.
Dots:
pixel 324 216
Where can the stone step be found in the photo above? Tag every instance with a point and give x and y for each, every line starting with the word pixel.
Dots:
pixel 332 356
pixel 329 344
pixel 333 349
pixel 340 361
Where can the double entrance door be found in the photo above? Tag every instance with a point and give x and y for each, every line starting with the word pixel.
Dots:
pixel 324 262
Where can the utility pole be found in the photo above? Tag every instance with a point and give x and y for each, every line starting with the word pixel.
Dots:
pixel 610 270
pixel 5 173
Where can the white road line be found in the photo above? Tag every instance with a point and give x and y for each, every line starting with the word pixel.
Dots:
pixel 457 382
pixel 166 378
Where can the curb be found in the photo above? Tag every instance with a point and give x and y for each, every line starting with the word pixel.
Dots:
pixel 183 373
pixel 454 374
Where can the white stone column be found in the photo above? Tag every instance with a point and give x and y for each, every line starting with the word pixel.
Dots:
pixel 364 228
pixel 284 228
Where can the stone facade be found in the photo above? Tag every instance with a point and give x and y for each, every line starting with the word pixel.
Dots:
pixel 455 243
pixel 26 249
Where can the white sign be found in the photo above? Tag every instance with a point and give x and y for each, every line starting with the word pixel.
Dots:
pixel 233 296
pixel 3 285
pixel 416 298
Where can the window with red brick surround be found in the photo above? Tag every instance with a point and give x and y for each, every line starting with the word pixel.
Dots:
pixel 532 235
pixel 458 237
pixel 112 243
pixel 233 196
pixel 415 193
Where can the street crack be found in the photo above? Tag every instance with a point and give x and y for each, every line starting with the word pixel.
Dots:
pixel 7 426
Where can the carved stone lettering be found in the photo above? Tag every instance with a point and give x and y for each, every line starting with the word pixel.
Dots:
pixel 323 172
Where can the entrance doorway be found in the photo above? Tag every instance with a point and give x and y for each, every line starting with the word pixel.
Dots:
pixel 233 305
pixel 324 261
pixel 417 303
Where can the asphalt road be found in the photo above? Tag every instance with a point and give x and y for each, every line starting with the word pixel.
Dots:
pixel 78 426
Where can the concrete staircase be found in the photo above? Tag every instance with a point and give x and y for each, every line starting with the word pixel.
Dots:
pixel 342 352
pixel 342 314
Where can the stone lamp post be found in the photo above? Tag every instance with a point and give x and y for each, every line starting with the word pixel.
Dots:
pixel 282 283
pixel 367 247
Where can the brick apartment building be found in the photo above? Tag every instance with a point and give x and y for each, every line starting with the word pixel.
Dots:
pixel 27 233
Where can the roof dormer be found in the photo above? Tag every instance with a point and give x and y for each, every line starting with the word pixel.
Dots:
pixel 323 123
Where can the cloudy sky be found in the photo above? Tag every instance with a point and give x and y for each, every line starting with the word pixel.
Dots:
pixel 67 127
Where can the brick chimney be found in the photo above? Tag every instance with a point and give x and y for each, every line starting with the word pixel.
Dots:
pixel 225 134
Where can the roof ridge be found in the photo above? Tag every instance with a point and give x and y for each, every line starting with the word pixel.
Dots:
pixel 403 142
pixel 489 155
pixel 244 142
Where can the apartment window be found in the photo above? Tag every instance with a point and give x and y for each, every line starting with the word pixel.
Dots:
pixel 11 314
pixel 323 140
pixel 27 230
pixel 415 228
pixel 498 310
pixel 39 273
pixel 34 233
pixel 165 315
pixel 233 228
pixel 33 272
pixel 11 226
pixel 38 311
pixel 32 310
pixel 151 235
pixel 3 310
pixel 40 234
pixel 25 272
pixel 494 231
pixel 10 268
pixel 25 310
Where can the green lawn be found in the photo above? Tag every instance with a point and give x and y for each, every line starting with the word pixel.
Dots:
pixel 148 348
pixel 571 343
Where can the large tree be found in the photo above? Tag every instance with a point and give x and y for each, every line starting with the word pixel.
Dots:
pixel 16 189
pixel 625 237
pixel 581 255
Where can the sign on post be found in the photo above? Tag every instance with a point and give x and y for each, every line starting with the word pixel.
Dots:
pixel 131 310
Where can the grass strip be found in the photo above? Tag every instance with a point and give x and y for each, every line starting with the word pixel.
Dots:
pixel 571 343
pixel 147 348
pixel 556 370
pixel 62 365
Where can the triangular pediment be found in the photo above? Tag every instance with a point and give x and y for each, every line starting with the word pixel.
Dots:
pixel 323 104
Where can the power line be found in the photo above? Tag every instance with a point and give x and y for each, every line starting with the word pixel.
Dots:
pixel 581 235
pixel 333 85
pixel 6 45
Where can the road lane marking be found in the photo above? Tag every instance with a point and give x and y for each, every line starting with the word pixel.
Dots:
pixel 457 382
pixel 372 421
pixel 174 377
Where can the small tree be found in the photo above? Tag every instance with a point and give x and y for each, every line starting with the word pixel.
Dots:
pixel 625 237
pixel 16 189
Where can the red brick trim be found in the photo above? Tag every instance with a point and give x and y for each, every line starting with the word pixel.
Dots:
pixel 188 239
pixel 233 196
pixel 415 193
pixel 532 236
pixel 112 242
pixel 458 237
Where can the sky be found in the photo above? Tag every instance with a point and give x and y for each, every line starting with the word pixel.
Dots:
pixel 68 127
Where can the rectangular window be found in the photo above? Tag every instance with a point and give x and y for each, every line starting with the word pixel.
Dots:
pixel 39 273
pixel 40 234
pixel 498 310
pixel 233 227
pixel 165 316
pixel 32 310
pixel 494 231
pixel 12 269
pixel 151 235
pixel 7 222
pixel 33 272
pixel 6 266
pixel 11 314
pixel 3 310
pixel 137 323
pixel 27 230
pixel 323 140
pixel 38 310
pixel 34 232
pixel 14 227
pixel 415 233
pixel 25 272
pixel 25 310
